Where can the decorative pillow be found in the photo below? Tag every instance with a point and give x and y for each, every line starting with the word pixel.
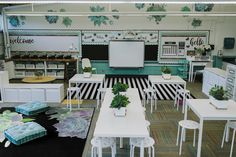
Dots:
pixel 26 132
pixel 32 108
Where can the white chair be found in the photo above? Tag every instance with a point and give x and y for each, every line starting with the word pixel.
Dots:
pixel 149 94
pixel 232 125
pixel 208 65
pixel 86 63
pixel 186 124
pixel 148 142
pixel 181 94
pixel 70 92
pixel 103 142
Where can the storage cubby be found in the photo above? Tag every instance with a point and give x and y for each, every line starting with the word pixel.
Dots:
pixel 231 81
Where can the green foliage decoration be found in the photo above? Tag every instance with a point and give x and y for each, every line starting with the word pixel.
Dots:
pixel 119 101
pixel 165 70
pixel 119 87
pixel 155 8
pixel 87 69
pixel 218 93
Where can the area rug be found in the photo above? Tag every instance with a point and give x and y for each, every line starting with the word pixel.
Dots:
pixel 66 134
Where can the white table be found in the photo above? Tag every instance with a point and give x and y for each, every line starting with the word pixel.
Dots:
pixel 158 79
pixel 193 63
pixel 95 78
pixel 205 111
pixel 132 125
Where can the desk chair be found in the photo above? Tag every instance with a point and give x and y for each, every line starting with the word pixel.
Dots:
pixel 86 63
pixel 208 65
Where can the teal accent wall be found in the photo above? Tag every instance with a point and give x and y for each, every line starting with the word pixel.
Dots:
pixel 149 69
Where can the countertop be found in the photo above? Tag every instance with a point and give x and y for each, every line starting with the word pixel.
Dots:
pixel 217 71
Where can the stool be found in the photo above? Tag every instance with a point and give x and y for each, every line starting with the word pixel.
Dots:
pixel 103 142
pixel 148 142
pixel 150 93
pixel 228 125
pixel 70 92
pixel 186 124
pixel 103 92
pixel 184 93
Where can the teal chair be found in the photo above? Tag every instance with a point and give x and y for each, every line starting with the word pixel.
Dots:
pixel 182 71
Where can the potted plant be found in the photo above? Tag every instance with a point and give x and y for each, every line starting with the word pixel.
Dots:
pixel 38 74
pixel 87 71
pixel 119 87
pixel 218 97
pixel 166 72
pixel 119 104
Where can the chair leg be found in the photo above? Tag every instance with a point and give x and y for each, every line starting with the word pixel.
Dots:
pixel 232 143
pixel 149 151
pixel 153 151
pixel 194 77
pixel 177 140
pixel 194 138
pixel 224 134
pixel 181 141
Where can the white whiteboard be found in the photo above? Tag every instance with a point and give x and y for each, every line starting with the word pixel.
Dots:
pixel 126 54
pixel 44 43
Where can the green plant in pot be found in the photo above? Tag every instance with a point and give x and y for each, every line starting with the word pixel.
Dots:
pixel 87 71
pixel 38 74
pixel 166 72
pixel 119 87
pixel 119 104
pixel 218 97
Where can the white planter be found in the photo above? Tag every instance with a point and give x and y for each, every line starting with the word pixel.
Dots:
pixel 87 74
pixel 219 104
pixel 166 76
pixel 119 112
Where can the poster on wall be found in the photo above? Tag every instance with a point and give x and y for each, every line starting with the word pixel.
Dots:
pixel 44 43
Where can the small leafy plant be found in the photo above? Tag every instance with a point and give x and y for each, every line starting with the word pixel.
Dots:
pixel 119 87
pixel 119 101
pixel 87 69
pixel 218 93
pixel 165 70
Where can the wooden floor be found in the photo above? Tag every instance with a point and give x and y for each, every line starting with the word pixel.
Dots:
pixel 164 122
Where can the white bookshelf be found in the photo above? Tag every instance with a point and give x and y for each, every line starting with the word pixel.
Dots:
pixel 231 81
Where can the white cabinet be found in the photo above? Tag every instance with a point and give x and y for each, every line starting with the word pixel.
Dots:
pixel 34 92
pixel 212 77
pixel 231 81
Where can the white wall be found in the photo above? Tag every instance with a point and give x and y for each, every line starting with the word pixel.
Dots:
pixel 219 27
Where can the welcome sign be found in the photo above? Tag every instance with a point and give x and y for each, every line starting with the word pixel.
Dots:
pixel 44 43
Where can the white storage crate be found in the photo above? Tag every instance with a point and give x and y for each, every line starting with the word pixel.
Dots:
pixel 52 73
pixel 60 66
pixel 29 73
pixel 60 73
pixel 19 73
pixel 29 66
pixel 19 66
pixel 39 66
pixel 52 65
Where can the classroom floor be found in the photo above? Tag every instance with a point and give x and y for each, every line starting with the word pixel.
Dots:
pixel 164 122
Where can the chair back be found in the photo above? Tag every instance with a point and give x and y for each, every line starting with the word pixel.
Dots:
pixel 86 63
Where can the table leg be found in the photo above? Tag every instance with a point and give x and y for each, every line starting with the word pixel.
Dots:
pixel 121 142
pixel 184 99
pixel 227 133
pixel 142 149
pixel 200 138
pixel 190 69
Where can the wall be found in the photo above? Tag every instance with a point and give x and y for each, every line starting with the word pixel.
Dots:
pixel 219 27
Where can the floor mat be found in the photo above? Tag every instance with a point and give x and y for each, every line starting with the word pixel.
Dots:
pixel 54 120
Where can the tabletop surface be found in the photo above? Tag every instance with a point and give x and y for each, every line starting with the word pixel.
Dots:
pixel 160 79
pixel 204 109
pixel 93 78
pixel 132 125
pixel 38 80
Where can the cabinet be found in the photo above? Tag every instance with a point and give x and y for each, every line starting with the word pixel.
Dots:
pixel 231 81
pixel 49 67
pixel 212 77
pixel 53 93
